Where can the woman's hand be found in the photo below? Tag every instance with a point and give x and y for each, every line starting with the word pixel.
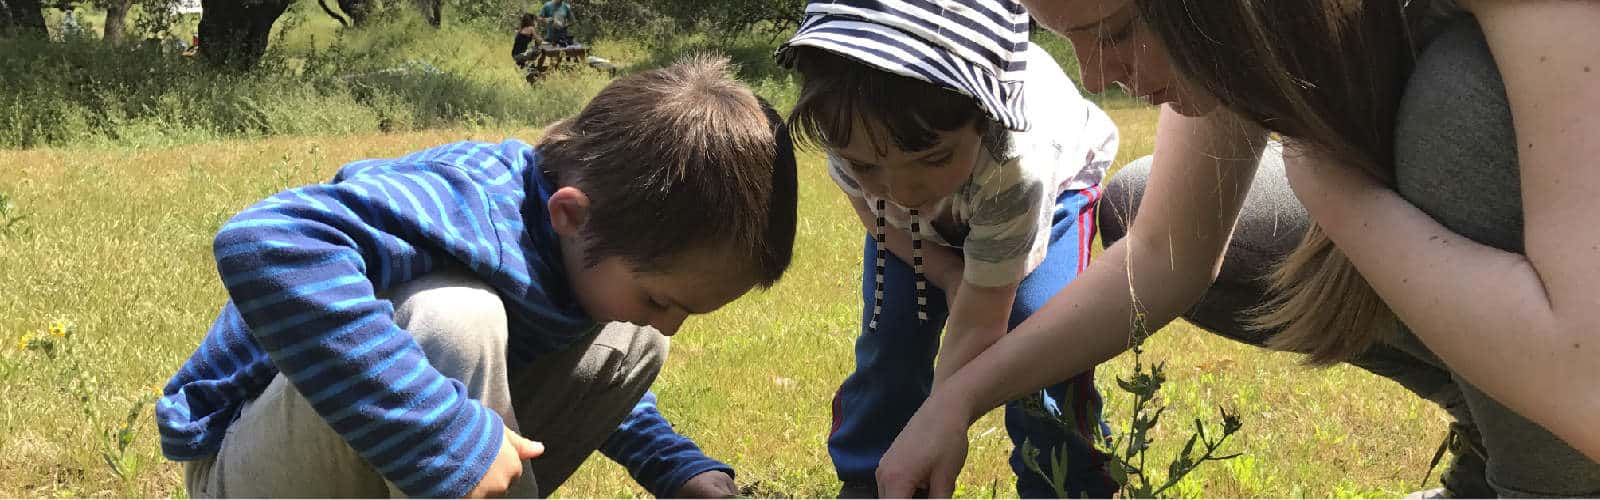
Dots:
pixel 929 452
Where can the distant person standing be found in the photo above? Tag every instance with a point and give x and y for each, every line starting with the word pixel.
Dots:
pixel 70 27
pixel 557 16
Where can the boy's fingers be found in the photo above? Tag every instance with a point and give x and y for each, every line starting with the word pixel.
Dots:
pixel 526 448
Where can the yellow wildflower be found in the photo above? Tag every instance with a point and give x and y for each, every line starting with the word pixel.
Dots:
pixel 61 328
pixel 22 343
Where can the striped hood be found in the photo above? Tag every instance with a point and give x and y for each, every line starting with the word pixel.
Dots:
pixel 975 47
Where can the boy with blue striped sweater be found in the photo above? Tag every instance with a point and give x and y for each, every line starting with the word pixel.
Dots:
pixel 398 330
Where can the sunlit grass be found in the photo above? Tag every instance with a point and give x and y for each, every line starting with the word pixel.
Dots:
pixel 118 242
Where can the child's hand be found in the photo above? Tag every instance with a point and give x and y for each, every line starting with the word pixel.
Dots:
pixel 507 467
pixel 709 484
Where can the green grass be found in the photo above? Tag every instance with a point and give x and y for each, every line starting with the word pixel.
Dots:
pixel 116 241
pixel 106 221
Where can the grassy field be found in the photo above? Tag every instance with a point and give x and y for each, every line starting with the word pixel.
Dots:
pixel 114 245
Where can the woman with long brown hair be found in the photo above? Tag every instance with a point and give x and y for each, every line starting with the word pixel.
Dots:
pixel 1437 180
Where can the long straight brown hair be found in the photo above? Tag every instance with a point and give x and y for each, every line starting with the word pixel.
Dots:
pixel 1326 75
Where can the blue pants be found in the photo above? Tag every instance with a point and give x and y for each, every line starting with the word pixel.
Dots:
pixel 894 368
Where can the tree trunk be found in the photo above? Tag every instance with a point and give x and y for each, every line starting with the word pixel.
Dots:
pixel 358 10
pixel 18 17
pixel 116 21
pixel 431 10
pixel 234 33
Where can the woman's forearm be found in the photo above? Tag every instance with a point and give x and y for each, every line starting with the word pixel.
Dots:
pixel 1173 250
pixel 1486 312
pixel 1081 327
pixel 1522 327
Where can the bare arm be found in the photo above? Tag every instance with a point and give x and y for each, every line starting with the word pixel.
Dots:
pixel 1524 328
pixel 1171 254
pixel 978 314
pixel 977 319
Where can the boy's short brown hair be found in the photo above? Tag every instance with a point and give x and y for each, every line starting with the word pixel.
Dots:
pixel 836 90
pixel 676 159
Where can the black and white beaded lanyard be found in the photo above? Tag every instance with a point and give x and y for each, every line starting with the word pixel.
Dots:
pixel 916 267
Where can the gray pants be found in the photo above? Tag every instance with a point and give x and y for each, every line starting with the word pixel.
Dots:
pixel 570 401
pixel 1455 158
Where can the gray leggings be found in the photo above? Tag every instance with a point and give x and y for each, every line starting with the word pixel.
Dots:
pixel 1455 158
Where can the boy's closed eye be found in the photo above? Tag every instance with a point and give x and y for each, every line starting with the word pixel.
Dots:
pixel 934 159
pixel 938 159
pixel 656 304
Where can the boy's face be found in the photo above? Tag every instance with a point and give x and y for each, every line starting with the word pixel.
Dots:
pixel 910 179
pixel 697 282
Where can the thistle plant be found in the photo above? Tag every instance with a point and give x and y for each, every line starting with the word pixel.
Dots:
pixel 9 215
pixel 56 343
pixel 1128 452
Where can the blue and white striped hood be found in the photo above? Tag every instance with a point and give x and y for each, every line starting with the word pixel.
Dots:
pixel 975 47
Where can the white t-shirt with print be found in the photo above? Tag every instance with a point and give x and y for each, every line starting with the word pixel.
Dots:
pixel 1001 217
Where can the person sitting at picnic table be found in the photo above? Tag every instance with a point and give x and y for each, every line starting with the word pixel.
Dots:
pixel 557 16
pixel 527 38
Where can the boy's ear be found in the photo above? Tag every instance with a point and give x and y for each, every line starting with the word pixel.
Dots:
pixel 569 210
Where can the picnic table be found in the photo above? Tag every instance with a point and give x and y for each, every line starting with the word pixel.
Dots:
pixel 547 56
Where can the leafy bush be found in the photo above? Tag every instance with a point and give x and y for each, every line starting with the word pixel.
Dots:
pixel 397 75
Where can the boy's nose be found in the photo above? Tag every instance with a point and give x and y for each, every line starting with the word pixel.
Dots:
pixel 908 196
pixel 669 322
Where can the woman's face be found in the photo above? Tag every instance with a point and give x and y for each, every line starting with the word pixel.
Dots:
pixel 1116 46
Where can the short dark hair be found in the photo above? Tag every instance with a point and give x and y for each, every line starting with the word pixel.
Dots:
pixel 835 90
pixel 527 20
pixel 677 159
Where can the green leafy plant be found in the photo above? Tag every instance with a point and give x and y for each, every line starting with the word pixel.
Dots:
pixel 125 465
pixel 9 216
pixel 1129 451
pixel 83 386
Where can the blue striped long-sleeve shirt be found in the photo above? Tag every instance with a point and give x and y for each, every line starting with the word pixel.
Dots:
pixel 301 269
pixel 655 455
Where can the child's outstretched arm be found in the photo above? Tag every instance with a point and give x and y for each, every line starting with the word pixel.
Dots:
pixel 660 459
pixel 302 268
pixel 1170 255
pixel 982 312
pixel 978 318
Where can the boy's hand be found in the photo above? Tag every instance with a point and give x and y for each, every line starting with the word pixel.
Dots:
pixel 709 484
pixel 507 467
